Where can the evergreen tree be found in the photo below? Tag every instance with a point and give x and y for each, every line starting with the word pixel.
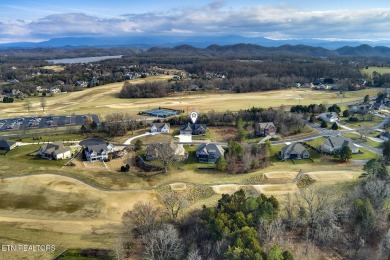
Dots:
pixel 221 164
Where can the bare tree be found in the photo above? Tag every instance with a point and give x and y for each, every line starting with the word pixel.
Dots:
pixel 144 218
pixel 28 105
pixel 164 243
pixel 43 103
pixel 119 248
pixel 174 204
pixel 117 124
pixel 317 202
pixel 163 152
pixel 193 255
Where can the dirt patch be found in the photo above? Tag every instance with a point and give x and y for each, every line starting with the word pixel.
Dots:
pixel 226 189
pixel 224 134
pixel 178 186
pixel 333 175
pixel 272 176
pixel 276 189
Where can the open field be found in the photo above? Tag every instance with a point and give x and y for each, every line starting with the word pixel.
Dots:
pixel 103 100
pixel 55 68
pixel 370 70
pixel 61 201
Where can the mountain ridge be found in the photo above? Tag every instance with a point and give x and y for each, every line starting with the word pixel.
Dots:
pixel 214 45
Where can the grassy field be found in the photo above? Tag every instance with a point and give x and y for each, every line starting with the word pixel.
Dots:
pixel 366 123
pixel 370 70
pixel 365 155
pixel 103 100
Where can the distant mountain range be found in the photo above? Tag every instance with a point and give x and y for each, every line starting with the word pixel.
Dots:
pixel 219 44
pixel 253 49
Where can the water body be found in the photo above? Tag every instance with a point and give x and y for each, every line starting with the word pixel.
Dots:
pixel 83 59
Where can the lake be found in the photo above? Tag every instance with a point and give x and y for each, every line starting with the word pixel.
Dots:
pixel 83 59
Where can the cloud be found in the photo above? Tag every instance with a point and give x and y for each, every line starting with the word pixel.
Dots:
pixel 275 22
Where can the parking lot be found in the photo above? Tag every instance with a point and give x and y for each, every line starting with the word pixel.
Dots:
pixel 27 123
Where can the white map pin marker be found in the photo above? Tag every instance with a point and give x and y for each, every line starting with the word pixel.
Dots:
pixel 194 116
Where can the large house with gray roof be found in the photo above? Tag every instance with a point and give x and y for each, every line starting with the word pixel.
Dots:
pixel 329 117
pixel 209 153
pixel 294 151
pixel 193 129
pixel 97 149
pixel 333 143
pixel 265 128
pixel 160 128
pixel 7 145
pixel 55 151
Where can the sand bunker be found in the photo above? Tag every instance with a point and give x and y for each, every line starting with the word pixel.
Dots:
pixel 178 186
pixel 226 189
pixel 281 175
pixel 333 175
pixel 276 189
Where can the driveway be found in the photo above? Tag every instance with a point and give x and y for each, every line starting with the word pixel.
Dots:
pixel 128 141
pixel 184 138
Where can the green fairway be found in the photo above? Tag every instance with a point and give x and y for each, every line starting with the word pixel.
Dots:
pixel 369 71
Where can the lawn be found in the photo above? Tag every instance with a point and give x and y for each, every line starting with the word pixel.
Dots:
pixel 366 123
pixel 23 154
pixel 34 138
pixel 365 155
pixel 316 142
pixel 369 71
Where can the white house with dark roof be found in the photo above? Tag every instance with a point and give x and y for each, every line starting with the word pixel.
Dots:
pixel 209 153
pixel 55 151
pixel 97 149
pixel 294 151
pixel 160 128
pixel 329 117
pixel 334 143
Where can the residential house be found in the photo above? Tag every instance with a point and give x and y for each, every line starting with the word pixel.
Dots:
pixel 385 136
pixel 160 128
pixel 97 149
pixel 361 109
pixel 55 151
pixel 209 153
pixel 329 117
pixel 81 83
pixel 7 145
pixel 265 128
pixel 54 90
pixel 334 143
pixel 294 151
pixel 308 85
pixel 59 83
pixel 152 151
pixel 193 129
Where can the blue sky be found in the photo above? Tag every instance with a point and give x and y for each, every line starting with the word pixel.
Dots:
pixel 27 20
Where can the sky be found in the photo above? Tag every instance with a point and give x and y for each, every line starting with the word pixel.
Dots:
pixel 27 20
